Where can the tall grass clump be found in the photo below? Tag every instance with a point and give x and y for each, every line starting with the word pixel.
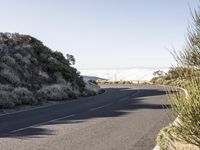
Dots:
pixel 187 128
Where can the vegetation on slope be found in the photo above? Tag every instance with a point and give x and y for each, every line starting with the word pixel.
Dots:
pixel 31 72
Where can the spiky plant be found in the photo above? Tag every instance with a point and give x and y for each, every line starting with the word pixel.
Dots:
pixel 187 107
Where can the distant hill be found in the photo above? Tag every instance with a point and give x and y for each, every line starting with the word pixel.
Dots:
pixel 30 73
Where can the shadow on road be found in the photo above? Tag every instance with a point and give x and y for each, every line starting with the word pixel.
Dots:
pixel 145 99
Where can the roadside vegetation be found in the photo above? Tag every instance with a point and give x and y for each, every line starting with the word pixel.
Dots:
pixel 31 73
pixel 122 82
pixel 176 76
pixel 184 133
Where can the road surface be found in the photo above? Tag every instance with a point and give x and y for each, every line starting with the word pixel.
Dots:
pixel 125 117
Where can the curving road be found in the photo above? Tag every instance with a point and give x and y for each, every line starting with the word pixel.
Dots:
pixel 125 117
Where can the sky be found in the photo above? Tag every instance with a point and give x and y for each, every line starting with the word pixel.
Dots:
pixel 104 33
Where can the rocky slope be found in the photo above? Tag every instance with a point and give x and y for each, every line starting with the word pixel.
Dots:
pixel 31 72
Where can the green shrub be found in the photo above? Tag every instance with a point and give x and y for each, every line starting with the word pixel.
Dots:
pixel 58 55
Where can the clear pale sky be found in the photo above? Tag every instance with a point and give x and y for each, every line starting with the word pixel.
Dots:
pixel 103 33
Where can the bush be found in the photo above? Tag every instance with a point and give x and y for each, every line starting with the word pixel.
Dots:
pixel 92 89
pixel 59 78
pixel 7 99
pixel 187 127
pixel 165 138
pixel 10 76
pixel 6 87
pixel 8 60
pixel 58 55
pixel 167 82
pixel 24 96
pixel 53 92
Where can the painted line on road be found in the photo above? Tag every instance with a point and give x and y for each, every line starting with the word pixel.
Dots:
pixel 126 98
pixel 137 92
pixel 93 109
pixel 123 99
pixel 42 123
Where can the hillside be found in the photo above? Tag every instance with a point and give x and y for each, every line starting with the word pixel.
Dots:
pixel 31 73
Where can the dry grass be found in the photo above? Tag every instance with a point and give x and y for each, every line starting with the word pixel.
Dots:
pixel 187 129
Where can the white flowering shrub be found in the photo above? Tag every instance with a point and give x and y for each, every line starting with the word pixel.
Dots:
pixel 7 99
pixel 10 76
pixel 24 96
pixel 43 74
pixel 53 92
pixel 6 87
pixel 91 88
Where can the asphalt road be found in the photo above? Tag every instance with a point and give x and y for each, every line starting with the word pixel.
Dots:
pixel 123 118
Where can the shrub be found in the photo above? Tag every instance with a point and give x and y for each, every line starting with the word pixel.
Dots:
pixel 24 96
pixel 10 76
pixel 91 88
pixel 43 74
pixel 3 66
pixel 187 107
pixel 53 92
pixel 6 87
pixel 7 99
pixel 58 55
pixel 18 56
pixel 8 60
pixel 59 78
pixel 165 138
pixel 167 82
pixel 26 61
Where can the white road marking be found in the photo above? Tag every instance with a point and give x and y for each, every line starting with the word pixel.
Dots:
pixel 123 99
pixel 138 91
pixel 126 98
pixel 93 109
pixel 42 123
